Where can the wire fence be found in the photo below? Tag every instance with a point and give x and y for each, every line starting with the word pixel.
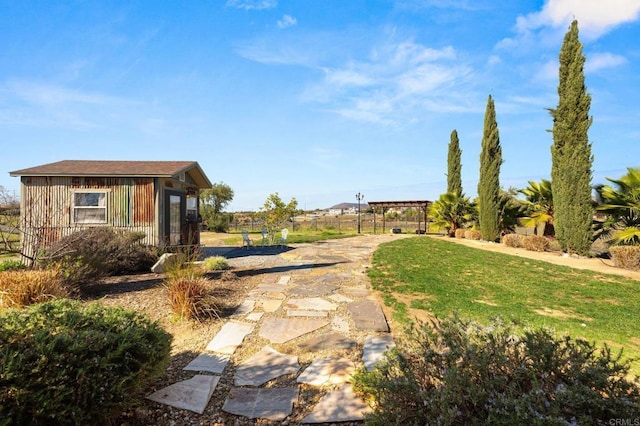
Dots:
pixel 342 223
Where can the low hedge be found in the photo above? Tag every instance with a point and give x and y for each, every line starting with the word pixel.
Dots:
pixel 64 362
pixel 460 373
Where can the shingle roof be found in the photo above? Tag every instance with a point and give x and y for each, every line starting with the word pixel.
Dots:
pixel 118 168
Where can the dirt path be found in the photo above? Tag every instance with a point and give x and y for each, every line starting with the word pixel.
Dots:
pixel 603 266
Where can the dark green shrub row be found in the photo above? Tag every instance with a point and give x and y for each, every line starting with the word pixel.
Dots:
pixel 62 362
pixel 89 254
pixel 460 373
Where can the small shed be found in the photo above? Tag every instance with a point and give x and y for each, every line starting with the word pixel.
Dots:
pixel 157 198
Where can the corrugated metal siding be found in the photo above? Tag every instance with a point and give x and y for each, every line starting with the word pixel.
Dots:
pixel 47 207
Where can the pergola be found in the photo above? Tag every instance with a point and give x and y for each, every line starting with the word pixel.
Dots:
pixel 421 205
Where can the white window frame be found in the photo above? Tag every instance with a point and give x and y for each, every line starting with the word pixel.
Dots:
pixel 75 208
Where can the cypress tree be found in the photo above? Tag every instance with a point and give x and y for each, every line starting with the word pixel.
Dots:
pixel 489 182
pixel 571 157
pixel 454 167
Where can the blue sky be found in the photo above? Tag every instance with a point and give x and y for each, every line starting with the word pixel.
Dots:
pixel 313 99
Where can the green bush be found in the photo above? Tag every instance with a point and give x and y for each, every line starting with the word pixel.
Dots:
pixel 62 362
pixel 627 257
pixel 215 263
pixel 11 265
pixel 458 372
pixel 535 243
pixel 95 252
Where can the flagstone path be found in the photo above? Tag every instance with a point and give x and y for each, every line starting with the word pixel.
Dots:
pixel 318 322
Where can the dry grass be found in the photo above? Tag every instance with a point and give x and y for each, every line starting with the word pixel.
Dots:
pixel 512 240
pixel 536 243
pixel 191 299
pixel 22 288
pixel 627 257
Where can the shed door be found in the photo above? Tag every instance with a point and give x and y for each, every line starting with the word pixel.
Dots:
pixel 174 212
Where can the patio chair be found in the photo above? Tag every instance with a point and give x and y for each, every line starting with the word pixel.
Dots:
pixel 246 241
pixel 283 236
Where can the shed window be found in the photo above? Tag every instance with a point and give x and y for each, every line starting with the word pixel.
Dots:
pixel 90 207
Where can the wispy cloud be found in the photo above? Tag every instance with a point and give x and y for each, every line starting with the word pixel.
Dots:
pixel 287 21
pixel 324 157
pixel 45 94
pixel 41 104
pixel 598 61
pixel 252 4
pixel 394 78
pixel 595 17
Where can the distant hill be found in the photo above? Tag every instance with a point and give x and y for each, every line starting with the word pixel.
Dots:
pixel 346 206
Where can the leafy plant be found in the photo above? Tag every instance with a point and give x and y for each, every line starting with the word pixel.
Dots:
pixel 11 265
pixel 452 211
pixel 620 203
pixel 62 362
pixel 215 263
pixel 459 372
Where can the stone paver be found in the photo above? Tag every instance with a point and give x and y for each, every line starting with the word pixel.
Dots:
pixel 245 307
pixel 213 363
pixel 359 291
pixel 312 285
pixel 271 305
pixel 339 298
pixel 230 337
pixel 374 349
pixel 368 315
pixel 340 324
pixel 254 316
pixel 327 371
pixel 328 341
pixel 315 303
pixel 193 394
pixel 312 289
pixel 264 366
pixel 272 404
pixel 341 405
pixel 304 313
pixel 281 330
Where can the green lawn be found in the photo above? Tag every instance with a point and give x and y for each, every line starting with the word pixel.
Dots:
pixel 443 277
pixel 304 236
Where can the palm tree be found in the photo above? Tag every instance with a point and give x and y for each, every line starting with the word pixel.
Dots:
pixel 621 205
pixel 539 207
pixel 452 211
pixel 510 210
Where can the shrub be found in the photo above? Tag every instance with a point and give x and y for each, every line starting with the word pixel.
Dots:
pixel 95 252
pixel 535 243
pixel 459 233
pixel 461 373
pixel 215 263
pixel 473 234
pixel 62 362
pixel 22 288
pixel 11 265
pixel 512 240
pixel 627 257
pixel 190 298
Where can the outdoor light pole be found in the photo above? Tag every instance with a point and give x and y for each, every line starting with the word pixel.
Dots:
pixel 359 197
